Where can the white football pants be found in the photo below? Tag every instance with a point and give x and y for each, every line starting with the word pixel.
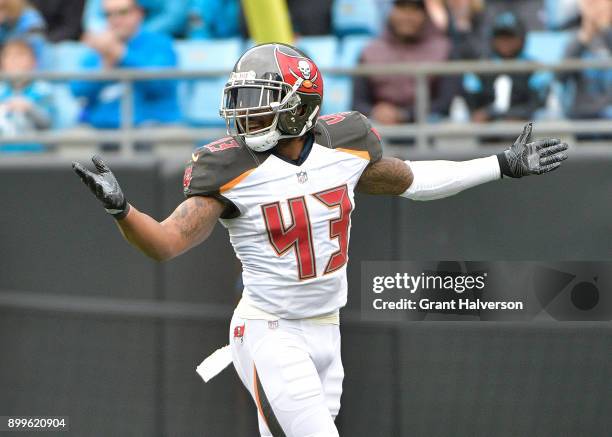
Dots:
pixel 293 370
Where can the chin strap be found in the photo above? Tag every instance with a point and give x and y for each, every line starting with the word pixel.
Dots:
pixel 307 126
pixel 263 142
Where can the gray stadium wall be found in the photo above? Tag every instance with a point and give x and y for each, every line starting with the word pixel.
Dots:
pixel 135 376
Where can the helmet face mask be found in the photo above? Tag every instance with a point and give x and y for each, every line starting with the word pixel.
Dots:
pixel 246 101
pixel 266 99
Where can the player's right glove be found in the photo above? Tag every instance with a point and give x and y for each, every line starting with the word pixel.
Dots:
pixel 525 158
pixel 104 186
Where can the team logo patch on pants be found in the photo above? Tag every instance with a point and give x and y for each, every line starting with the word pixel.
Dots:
pixel 239 333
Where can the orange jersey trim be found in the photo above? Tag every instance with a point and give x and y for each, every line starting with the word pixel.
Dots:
pixel 256 390
pixel 360 153
pixel 231 184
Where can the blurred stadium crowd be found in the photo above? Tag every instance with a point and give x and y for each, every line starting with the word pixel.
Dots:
pixel 94 35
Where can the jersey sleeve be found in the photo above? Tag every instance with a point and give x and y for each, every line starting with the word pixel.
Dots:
pixel 351 131
pixel 214 168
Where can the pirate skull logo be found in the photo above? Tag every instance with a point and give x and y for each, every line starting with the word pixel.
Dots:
pixel 306 72
pixel 304 68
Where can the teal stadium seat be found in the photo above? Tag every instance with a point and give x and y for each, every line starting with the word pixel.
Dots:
pixel 356 17
pixel 65 57
pixel 200 99
pixel 321 49
pixel 547 47
pixel 352 46
pixel 339 93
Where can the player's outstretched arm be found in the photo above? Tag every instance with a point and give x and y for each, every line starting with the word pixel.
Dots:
pixel 429 180
pixel 189 225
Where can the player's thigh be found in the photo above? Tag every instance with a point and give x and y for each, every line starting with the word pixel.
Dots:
pixel 288 387
pixel 283 380
pixel 332 376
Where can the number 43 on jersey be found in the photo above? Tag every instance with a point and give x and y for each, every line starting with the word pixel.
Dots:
pixel 298 236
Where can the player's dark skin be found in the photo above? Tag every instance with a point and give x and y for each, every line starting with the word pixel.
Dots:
pixel 194 219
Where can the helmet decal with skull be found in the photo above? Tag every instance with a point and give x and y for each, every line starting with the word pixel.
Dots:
pixel 294 68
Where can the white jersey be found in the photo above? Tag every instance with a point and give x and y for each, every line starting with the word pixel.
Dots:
pixel 289 222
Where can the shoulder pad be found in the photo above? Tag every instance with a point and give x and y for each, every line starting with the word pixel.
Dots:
pixel 214 166
pixel 348 130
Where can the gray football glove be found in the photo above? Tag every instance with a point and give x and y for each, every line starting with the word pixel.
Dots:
pixel 104 186
pixel 525 157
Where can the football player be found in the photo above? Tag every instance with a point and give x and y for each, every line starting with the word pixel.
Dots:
pixel 283 185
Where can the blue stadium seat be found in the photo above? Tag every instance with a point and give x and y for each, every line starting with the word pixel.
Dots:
pixel 339 89
pixel 67 107
pixel 351 49
pixel 199 99
pixel 338 94
pixel 356 17
pixel 547 46
pixel 323 50
pixel 65 57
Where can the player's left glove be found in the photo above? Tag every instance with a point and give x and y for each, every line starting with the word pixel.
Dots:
pixel 105 187
pixel 525 157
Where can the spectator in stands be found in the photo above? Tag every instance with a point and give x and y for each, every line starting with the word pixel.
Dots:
pixel 25 106
pixel 592 89
pixel 507 96
pixel 18 20
pixel 410 37
pixel 213 19
pixel 462 21
pixel 166 16
pixel 63 18
pixel 126 45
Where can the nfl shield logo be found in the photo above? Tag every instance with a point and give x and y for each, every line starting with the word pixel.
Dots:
pixel 302 177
